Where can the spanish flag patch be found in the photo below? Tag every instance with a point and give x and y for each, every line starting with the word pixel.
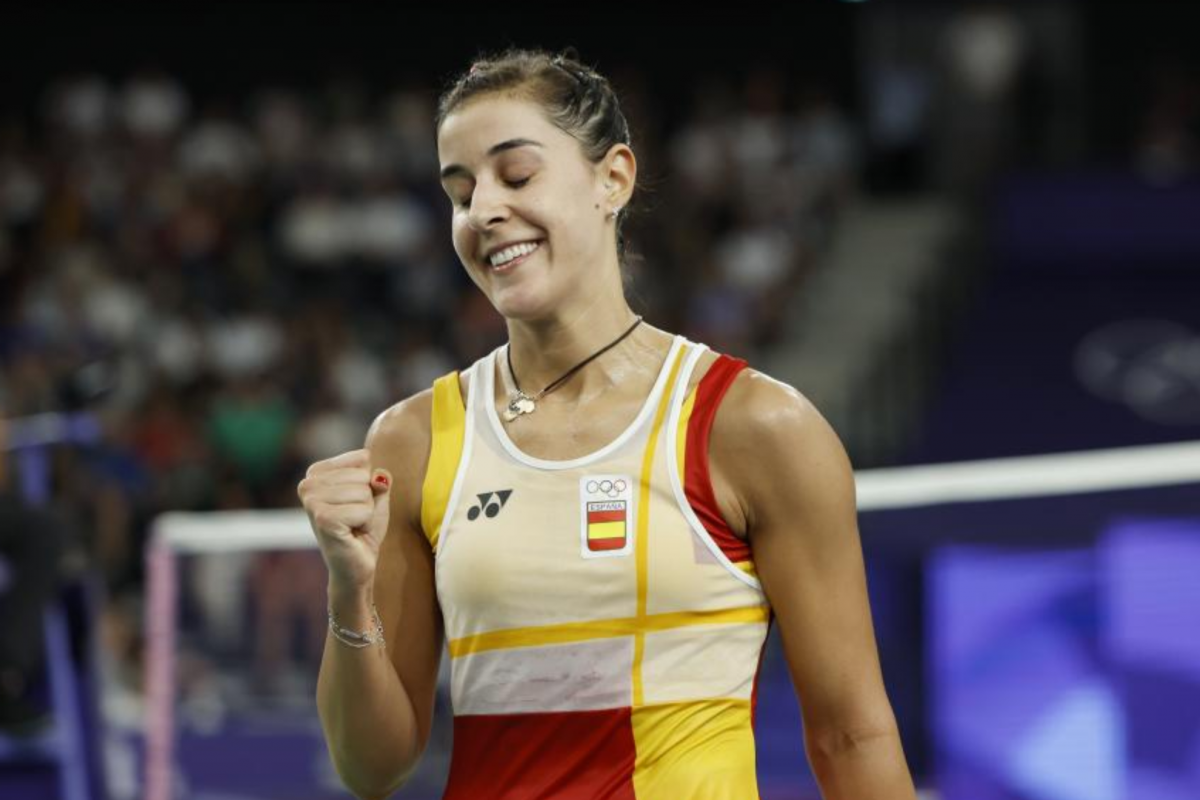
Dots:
pixel 606 515
pixel 606 525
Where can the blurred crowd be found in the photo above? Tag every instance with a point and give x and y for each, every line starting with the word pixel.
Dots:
pixel 233 289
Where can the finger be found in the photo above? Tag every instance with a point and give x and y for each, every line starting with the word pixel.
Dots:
pixel 379 517
pixel 357 515
pixel 340 519
pixel 352 458
pixel 354 475
pixel 341 493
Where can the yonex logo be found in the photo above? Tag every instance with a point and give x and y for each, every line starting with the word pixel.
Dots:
pixel 610 488
pixel 487 505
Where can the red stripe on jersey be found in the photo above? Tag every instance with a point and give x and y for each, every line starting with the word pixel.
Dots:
pixel 565 755
pixel 697 479
pixel 606 516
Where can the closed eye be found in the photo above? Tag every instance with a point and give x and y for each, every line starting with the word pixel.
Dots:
pixel 514 184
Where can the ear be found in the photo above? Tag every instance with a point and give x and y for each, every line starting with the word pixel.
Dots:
pixel 616 176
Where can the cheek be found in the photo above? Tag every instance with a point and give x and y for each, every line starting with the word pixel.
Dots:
pixel 557 220
pixel 462 240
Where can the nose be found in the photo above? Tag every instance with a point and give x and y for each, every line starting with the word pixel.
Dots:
pixel 487 206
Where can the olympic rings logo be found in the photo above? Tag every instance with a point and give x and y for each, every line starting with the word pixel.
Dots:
pixel 610 488
pixel 1149 365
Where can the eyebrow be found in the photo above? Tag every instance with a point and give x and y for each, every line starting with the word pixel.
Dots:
pixel 459 169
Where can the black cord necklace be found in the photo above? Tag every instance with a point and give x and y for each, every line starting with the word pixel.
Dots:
pixel 522 403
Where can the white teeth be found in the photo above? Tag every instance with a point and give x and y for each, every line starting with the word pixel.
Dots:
pixel 509 253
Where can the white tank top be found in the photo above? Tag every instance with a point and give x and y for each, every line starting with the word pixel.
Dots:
pixel 603 636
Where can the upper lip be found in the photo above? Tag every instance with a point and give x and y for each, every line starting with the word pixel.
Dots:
pixel 487 256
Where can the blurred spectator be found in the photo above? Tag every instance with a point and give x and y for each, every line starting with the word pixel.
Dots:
pixel 153 105
pixel 825 161
pixel 249 429
pixel 898 95
pixel 985 49
pixel 218 147
pixel 81 106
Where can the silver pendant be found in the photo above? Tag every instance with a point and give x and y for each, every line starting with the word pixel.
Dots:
pixel 520 404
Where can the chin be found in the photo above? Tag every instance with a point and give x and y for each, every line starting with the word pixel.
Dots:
pixel 522 302
pixel 521 309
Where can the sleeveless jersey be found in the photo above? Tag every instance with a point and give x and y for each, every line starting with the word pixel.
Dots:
pixel 605 626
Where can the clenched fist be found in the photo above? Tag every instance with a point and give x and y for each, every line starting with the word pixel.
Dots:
pixel 347 504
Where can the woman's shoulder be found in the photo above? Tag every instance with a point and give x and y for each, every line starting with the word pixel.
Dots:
pixel 761 426
pixel 761 415
pixel 766 433
pixel 756 401
pixel 399 440
pixel 410 420
pixel 404 422
pixel 750 393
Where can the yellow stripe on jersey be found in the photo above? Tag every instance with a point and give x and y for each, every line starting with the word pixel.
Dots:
pixel 643 525
pixel 685 414
pixel 568 632
pixel 447 425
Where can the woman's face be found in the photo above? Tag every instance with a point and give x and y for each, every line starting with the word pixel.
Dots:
pixel 513 177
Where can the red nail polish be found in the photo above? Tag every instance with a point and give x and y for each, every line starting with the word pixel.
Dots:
pixel 381 480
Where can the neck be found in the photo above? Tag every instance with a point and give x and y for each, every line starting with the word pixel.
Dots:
pixel 543 350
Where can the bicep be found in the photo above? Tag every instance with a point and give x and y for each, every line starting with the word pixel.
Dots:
pixel 808 554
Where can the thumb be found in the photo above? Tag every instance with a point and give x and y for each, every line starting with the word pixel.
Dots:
pixel 381 485
pixel 381 481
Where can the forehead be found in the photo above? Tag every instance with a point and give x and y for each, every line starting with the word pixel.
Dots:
pixel 470 131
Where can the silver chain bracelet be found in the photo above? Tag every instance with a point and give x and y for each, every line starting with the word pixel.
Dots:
pixel 355 638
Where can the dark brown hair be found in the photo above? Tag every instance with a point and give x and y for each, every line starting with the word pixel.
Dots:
pixel 575 98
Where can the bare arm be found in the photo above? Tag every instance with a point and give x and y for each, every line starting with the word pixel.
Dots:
pixel 795 485
pixel 376 704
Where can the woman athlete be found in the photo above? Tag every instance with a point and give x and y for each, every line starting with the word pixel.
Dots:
pixel 600 519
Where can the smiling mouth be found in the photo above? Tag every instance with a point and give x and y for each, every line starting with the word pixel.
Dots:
pixel 508 265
